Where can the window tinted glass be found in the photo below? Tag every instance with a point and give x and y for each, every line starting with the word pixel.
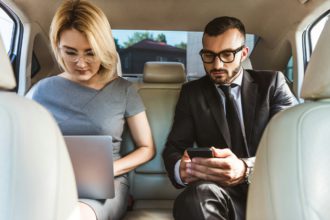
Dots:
pixel 135 47
pixel 316 30
pixel 35 67
pixel 312 34
pixel 6 29
pixel 289 70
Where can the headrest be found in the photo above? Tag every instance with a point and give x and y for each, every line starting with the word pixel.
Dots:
pixel 119 71
pixel 7 80
pixel 316 83
pixel 164 72
pixel 246 64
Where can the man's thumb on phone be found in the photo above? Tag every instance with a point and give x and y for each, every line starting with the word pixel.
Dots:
pixel 221 153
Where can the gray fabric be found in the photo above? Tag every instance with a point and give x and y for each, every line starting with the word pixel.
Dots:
pixel 80 110
pixel 112 209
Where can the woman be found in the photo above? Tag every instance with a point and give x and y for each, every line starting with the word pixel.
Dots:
pixel 89 98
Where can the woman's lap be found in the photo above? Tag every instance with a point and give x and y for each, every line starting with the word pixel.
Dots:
pixel 114 208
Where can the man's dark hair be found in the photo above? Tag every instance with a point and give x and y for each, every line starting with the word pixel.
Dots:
pixel 220 25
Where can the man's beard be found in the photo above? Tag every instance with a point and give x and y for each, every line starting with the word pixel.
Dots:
pixel 224 78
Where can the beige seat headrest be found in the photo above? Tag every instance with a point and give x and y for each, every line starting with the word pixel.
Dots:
pixel 316 83
pixel 164 72
pixel 7 79
pixel 246 64
pixel 36 176
pixel 119 70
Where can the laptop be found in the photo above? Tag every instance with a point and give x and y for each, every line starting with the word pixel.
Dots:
pixel 92 162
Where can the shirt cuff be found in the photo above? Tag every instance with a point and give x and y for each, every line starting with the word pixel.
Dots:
pixel 177 174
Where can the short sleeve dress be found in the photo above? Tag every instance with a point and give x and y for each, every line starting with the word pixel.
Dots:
pixel 81 110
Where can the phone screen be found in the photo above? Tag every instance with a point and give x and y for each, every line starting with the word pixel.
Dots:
pixel 200 152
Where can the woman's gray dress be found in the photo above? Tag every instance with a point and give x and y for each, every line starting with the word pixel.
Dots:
pixel 80 110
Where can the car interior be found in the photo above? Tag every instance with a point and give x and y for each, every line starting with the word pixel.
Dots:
pixel 294 163
pixel 39 180
pixel 290 180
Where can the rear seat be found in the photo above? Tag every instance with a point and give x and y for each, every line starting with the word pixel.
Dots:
pixel 150 187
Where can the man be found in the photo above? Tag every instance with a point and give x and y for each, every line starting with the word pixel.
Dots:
pixel 227 111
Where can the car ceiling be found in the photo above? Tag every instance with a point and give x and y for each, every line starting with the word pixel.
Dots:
pixel 269 19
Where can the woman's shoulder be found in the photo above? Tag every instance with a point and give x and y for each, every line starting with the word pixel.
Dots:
pixel 123 82
pixel 48 81
pixel 49 84
pixel 39 87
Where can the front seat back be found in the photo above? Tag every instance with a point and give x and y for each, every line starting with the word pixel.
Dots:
pixel 36 176
pixel 292 177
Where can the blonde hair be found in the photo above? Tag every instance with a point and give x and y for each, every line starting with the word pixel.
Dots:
pixel 92 22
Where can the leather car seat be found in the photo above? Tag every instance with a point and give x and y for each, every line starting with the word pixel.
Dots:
pixel 150 186
pixel 292 178
pixel 36 176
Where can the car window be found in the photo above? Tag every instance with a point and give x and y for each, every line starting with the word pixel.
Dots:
pixel 10 32
pixel 316 30
pixel 6 28
pixel 289 70
pixel 312 35
pixel 135 47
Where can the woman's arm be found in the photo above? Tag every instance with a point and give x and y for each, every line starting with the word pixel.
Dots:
pixel 140 130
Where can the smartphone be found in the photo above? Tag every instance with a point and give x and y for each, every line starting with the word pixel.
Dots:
pixel 200 152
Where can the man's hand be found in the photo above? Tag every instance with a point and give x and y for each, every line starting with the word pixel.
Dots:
pixel 225 168
pixel 185 176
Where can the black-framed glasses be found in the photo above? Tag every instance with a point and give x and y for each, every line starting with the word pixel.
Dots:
pixel 226 56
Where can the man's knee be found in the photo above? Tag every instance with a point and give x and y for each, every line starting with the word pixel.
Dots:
pixel 202 199
pixel 201 189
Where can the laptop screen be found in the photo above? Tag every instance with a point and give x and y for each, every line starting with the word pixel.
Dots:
pixel 92 162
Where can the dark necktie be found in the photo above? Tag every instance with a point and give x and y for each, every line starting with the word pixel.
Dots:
pixel 236 135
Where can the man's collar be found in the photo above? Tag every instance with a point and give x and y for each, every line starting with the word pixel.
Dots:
pixel 239 78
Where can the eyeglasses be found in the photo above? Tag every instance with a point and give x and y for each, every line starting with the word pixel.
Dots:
pixel 73 56
pixel 226 56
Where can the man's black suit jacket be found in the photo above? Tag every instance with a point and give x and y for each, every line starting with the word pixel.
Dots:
pixel 200 116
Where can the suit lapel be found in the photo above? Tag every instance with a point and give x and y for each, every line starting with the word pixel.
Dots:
pixel 249 99
pixel 214 102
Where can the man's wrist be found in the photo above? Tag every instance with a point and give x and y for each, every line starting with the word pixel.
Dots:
pixel 249 164
pixel 177 174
